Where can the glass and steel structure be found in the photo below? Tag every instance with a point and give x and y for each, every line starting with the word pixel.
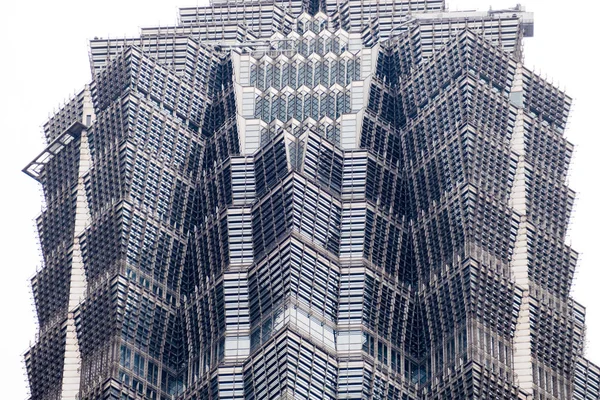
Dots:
pixel 310 200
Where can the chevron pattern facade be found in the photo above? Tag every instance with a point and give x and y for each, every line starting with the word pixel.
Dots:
pixel 310 200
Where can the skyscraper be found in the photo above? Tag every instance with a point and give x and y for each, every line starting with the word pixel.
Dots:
pixel 328 200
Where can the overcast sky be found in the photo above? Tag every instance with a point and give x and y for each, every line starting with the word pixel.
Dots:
pixel 45 60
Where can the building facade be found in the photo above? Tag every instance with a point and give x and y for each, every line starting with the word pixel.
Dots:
pixel 310 200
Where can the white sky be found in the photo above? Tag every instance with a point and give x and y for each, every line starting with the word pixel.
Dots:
pixel 45 60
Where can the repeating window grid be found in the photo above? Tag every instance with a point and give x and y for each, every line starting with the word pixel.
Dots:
pixel 544 102
pixel 271 164
pixel 354 176
pixel 587 381
pixel 151 191
pixel 330 71
pixel 316 216
pixel 354 380
pixel 353 230
pixel 297 271
pixel 352 284
pixel 142 334
pixel 429 229
pixel 231 384
pixel 154 80
pixel 550 385
pixel 299 106
pixel 385 310
pixel 64 117
pixel 272 217
pixel 44 362
pixel 265 295
pixel 384 242
pixel 213 247
pixel 206 313
pixel 154 251
pixel 556 335
pixel 50 287
pixel 291 365
pixel 56 224
pixel 323 163
pixel 546 149
pixel 239 221
pixel 549 203
pixel 317 281
pixel 237 312
pixel 541 251
pixel 441 237
pixel 503 33
pixel 301 320
pixel 61 173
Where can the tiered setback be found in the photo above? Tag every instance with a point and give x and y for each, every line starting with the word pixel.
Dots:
pixel 307 199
